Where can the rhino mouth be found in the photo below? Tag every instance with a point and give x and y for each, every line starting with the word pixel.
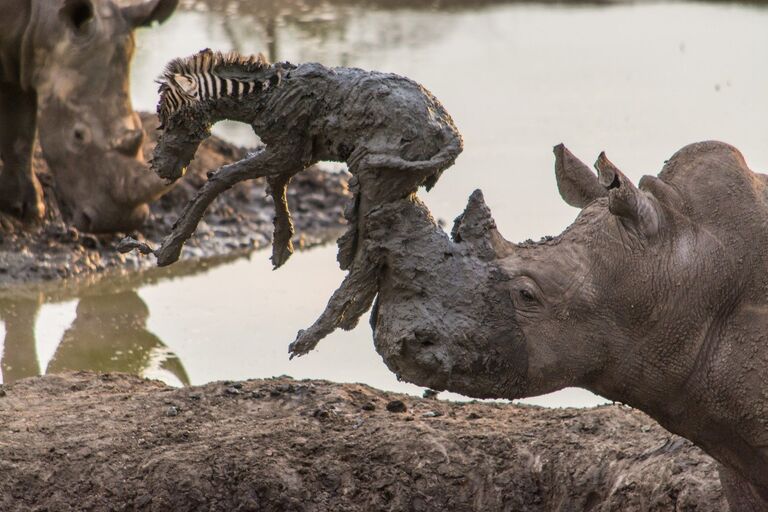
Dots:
pixel 420 357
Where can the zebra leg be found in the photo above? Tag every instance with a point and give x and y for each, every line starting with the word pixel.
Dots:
pixel 264 163
pixel 282 246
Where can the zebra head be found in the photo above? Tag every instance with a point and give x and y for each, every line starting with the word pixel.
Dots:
pixel 209 75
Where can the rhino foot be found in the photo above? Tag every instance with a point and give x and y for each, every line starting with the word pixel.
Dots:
pixel 21 198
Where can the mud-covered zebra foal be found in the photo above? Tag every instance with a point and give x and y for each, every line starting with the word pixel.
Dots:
pixel 387 128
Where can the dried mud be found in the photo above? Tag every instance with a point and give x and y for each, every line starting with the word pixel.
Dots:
pixel 237 223
pixel 114 442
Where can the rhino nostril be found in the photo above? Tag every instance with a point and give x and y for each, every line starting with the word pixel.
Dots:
pixel 424 338
pixel 129 143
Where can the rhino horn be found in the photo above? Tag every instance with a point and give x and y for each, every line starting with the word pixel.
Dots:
pixel 577 184
pixel 636 208
pixel 144 13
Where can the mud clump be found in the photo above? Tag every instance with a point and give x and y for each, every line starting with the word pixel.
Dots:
pixel 237 223
pixel 108 442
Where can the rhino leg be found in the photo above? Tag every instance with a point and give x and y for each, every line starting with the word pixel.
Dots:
pixel 20 192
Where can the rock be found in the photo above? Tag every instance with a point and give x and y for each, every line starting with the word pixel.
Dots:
pixel 286 388
pixel 232 390
pixel 396 406
pixel 172 411
pixel 517 458
pixel 368 406
pixel 430 393
pixel 432 414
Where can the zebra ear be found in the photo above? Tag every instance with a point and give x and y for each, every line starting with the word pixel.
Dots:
pixel 187 84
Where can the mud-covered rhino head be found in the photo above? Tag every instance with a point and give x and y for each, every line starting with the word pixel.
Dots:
pixel 74 57
pixel 656 296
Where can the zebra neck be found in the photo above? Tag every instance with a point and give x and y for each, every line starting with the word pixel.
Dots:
pixel 212 86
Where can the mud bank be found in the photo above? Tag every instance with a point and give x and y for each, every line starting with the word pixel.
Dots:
pixel 117 442
pixel 237 223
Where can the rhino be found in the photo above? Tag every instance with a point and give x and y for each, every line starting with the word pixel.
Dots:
pixel 656 296
pixel 64 67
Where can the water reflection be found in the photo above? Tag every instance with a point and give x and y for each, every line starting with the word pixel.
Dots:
pixel 109 334
pixel 19 358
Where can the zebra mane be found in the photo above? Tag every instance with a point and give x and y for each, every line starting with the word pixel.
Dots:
pixel 231 64
pixel 210 61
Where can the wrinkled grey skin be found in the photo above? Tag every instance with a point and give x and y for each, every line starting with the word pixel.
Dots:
pixel 654 297
pixel 64 66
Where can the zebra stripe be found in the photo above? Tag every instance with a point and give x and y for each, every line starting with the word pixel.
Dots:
pixel 208 86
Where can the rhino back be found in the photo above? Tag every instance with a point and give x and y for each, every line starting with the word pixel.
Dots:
pixel 718 187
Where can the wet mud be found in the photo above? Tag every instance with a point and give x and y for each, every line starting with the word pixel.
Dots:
pixel 239 222
pixel 84 441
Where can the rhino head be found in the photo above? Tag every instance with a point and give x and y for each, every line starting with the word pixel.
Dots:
pixel 655 297
pixel 79 54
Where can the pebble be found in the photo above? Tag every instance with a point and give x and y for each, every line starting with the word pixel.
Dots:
pixel 232 390
pixel 473 416
pixel 89 242
pixel 368 406
pixel 2 392
pixel 396 406
pixel 172 411
pixel 432 414
pixel 286 388
pixel 430 394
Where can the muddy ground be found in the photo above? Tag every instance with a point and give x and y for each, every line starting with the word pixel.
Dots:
pixel 116 442
pixel 239 221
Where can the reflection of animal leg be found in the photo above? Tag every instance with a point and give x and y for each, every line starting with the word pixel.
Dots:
pixel 282 247
pixel 19 352
pixel 264 163
pixel 20 192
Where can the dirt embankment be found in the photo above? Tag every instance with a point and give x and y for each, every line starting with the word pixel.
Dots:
pixel 114 442
pixel 239 221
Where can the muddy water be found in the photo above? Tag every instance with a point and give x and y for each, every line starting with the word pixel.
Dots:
pixel 637 80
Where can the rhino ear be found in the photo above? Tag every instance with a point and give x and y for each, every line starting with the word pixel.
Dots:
pixel 577 184
pixel 146 12
pixel 78 14
pixel 636 208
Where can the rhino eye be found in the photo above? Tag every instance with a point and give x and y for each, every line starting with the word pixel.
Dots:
pixel 525 294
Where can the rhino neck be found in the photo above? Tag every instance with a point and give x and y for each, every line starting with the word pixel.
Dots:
pixel 713 395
